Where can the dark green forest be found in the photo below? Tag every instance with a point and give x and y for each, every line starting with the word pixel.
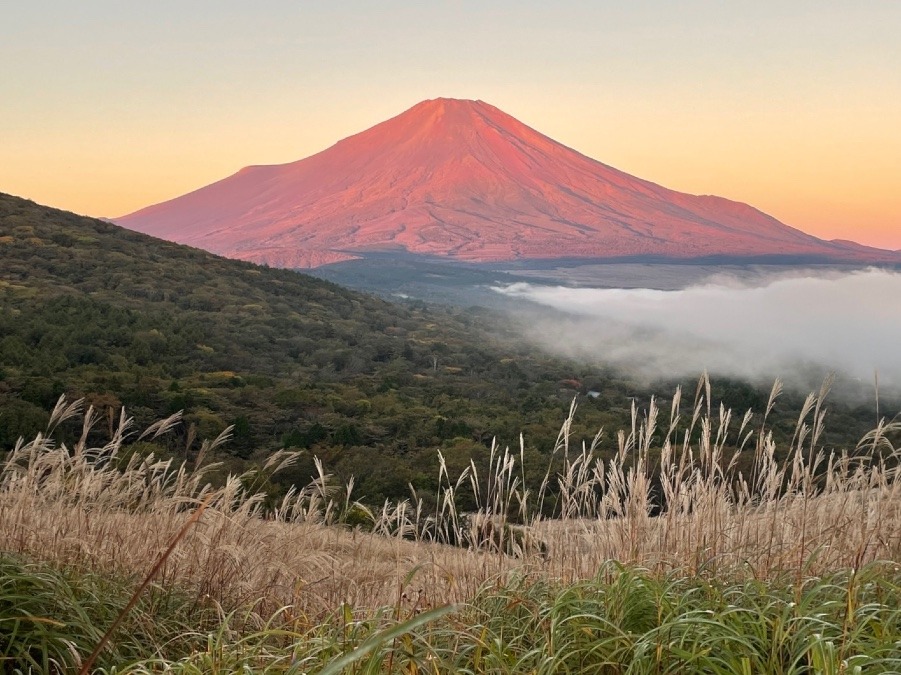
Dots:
pixel 373 388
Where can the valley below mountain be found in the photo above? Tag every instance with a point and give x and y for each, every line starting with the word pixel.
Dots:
pixel 93 310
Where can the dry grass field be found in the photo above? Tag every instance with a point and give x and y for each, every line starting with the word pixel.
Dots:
pixel 811 514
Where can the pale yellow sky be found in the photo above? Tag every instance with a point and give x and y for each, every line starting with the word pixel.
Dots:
pixel 110 107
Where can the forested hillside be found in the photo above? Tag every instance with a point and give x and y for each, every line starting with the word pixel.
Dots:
pixel 89 309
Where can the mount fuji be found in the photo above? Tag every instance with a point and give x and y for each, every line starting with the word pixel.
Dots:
pixel 462 180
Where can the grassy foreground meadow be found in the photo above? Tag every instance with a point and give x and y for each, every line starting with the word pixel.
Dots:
pixel 700 547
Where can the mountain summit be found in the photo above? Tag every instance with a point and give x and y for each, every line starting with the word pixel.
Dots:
pixel 464 180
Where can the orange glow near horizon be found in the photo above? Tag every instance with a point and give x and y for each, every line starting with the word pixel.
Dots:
pixel 824 191
pixel 792 110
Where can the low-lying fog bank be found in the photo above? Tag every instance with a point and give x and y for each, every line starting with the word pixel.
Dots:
pixel 798 327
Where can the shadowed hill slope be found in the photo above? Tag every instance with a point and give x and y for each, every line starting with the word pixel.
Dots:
pixel 90 309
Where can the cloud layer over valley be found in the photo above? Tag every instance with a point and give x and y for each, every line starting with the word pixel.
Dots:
pixel 798 328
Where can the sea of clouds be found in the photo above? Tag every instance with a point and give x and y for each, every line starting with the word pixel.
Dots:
pixel 786 326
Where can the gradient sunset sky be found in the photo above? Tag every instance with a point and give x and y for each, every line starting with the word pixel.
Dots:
pixel 792 106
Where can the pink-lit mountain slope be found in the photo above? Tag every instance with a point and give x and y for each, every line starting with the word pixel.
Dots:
pixel 465 180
